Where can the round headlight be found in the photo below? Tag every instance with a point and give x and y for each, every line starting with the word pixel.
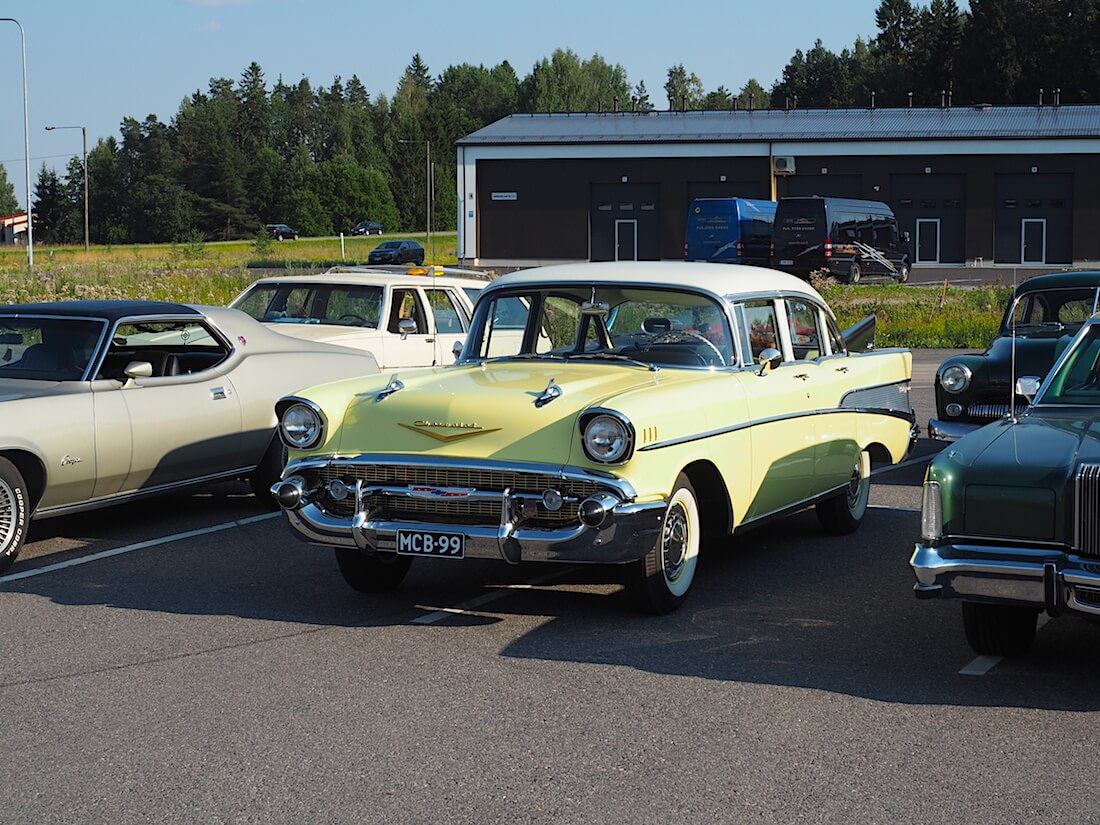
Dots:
pixel 301 427
pixel 955 378
pixel 607 439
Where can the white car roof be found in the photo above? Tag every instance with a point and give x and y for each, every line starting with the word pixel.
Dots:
pixel 376 276
pixel 722 279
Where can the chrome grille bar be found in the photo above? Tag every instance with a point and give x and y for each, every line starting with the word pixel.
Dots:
pixel 987 411
pixel 1087 510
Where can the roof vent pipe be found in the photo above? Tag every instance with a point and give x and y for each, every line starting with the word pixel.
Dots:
pixel 1040 97
pixel 1058 96
pixel 950 94
pixel 910 100
pixel 615 103
pixel 683 103
pixel 872 100
pixel 633 103
pixel 752 100
pixel 943 98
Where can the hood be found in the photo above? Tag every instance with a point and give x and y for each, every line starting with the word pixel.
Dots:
pixel 483 411
pixel 1034 356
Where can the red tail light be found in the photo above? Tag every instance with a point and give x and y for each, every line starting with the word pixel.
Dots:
pixel 828 247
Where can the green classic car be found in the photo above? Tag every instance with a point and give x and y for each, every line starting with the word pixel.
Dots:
pixel 612 413
pixel 1010 521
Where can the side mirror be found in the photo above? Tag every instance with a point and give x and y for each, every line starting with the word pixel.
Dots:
pixel 456 349
pixel 406 326
pixel 905 237
pixel 139 369
pixel 1028 386
pixel 768 359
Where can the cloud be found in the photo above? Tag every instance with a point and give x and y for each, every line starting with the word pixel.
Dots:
pixel 209 28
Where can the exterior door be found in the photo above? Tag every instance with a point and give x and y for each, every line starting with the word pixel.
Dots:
pixel 412 349
pixel 928 240
pixel 626 240
pixel 1033 243
pixel 449 319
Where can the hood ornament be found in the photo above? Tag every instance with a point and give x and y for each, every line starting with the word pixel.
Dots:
pixel 551 392
pixel 390 389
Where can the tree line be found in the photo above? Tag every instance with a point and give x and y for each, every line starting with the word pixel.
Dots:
pixel 239 155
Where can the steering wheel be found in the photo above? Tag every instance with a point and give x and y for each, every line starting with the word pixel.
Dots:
pixel 362 321
pixel 675 336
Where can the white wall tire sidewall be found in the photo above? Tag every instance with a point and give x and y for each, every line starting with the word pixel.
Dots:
pixel 682 584
pixel 858 509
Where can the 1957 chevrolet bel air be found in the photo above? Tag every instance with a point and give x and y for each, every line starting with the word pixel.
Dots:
pixel 618 413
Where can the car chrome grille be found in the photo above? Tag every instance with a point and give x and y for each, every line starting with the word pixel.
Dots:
pixel 987 412
pixel 460 511
pixel 1087 595
pixel 1087 509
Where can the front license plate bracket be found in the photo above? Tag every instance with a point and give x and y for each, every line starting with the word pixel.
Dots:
pixel 432 543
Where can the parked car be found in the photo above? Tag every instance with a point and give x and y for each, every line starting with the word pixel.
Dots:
pixel 108 401
pixel 614 413
pixel 729 231
pixel 843 237
pixel 397 252
pixel 1010 522
pixel 282 232
pixel 406 317
pixel 1043 315
pixel 366 228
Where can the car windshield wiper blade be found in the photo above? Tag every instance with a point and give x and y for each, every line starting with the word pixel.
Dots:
pixel 612 356
pixel 528 356
pixel 1040 325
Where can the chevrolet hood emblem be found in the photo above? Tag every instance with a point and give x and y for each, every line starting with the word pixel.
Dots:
pixel 470 430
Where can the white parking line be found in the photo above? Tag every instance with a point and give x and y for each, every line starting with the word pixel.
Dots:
pixel 141 545
pixel 441 613
pixel 924 459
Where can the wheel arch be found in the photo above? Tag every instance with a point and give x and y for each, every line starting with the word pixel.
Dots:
pixel 715 507
pixel 33 471
pixel 880 455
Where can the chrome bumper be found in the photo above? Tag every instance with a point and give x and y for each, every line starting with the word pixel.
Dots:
pixel 949 430
pixel 1043 578
pixel 628 532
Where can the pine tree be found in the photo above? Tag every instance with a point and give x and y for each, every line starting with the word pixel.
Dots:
pixel 9 204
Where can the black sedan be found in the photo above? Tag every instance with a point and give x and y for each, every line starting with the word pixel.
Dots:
pixel 397 252
pixel 1044 314
pixel 282 232
pixel 366 228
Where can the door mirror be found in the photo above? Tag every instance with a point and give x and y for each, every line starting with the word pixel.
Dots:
pixel 768 359
pixel 406 326
pixel 1028 386
pixel 456 349
pixel 905 237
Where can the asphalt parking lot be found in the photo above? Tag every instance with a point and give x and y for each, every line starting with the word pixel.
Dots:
pixel 188 660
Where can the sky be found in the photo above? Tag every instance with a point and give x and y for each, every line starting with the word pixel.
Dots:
pixel 93 64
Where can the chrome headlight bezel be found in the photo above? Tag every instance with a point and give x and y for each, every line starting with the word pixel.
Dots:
pixel 301 424
pixel 955 378
pixel 607 436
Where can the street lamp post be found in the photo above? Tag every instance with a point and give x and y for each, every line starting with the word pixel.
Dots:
pixel 84 135
pixel 26 142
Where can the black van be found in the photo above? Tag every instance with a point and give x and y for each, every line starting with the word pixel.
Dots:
pixel 850 239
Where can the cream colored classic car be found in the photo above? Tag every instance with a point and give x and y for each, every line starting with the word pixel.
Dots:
pixel 617 413
pixel 105 401
pixel 404 316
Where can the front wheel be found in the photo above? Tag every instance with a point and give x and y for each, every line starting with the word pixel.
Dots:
pixel 843 513
pixel 268 471
pixel 855 272
pixel 372 573
pixel 659 582
pixel 14 513
pixel 903 272
pixel 999 629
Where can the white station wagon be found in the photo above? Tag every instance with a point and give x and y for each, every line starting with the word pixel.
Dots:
pixel 404 316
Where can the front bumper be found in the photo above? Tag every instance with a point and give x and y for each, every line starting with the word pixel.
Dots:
pixel 949 430
pixel 626 532
pixel 1046 578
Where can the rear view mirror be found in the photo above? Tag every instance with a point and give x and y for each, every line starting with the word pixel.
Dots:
pixel 11 338
pixel 1028 386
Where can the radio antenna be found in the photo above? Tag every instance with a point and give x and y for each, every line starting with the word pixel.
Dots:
pixel 1012 369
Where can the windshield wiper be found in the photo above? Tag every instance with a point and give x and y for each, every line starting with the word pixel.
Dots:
pixel 613 356
pixel 1043 325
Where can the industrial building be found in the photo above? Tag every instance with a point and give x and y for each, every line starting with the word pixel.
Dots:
pixel 976 185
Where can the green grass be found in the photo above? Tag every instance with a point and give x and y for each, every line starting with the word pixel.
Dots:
pixel 215 273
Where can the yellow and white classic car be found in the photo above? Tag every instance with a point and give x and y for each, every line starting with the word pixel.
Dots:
pixel 611 413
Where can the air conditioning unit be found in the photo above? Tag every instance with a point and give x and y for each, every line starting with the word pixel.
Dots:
pixel 783 165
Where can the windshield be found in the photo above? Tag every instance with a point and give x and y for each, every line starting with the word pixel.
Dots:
pixel 1077 380
pixel 389 245
pixel 296 303
pixel 47 349
pixel 646 326
pixel 1049 312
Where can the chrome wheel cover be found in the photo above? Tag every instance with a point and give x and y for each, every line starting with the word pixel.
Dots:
pixel 674 542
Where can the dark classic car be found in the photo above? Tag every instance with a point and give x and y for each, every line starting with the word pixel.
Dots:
pixel 1010 518
pixel 1044 314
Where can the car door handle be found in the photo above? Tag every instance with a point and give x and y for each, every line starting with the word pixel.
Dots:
pixel 841 369
pixel 218 393
pixel 430 340
pixel 802 376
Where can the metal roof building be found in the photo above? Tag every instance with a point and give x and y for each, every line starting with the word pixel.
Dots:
pixel 1003 184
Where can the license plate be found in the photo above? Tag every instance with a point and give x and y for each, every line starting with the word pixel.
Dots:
pixel 786 263
pixel 424 543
